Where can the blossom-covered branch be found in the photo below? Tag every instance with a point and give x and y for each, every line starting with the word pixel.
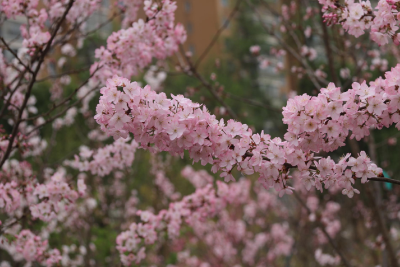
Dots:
pixel 178 124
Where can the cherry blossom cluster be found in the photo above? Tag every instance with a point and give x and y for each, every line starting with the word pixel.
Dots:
pixel 27 246
pixel 131 207
pixel 14 170
pixel 53 202
pixel 221 236
pixel 44 200
pixel 51 194
pixel 13 8
pixel 130 50
pixel 357 17
pixel 56 9
pixel 323 122
pixel 203 203
pixel 326 259
pixel 10 198
pixel 32 248
pixel 130 9
pixel 103 161
pixel 255 50
pixel 224 234
pixel 37 34
pixel 178 124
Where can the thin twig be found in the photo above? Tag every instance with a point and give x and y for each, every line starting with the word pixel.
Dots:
pixel 253 102
pixel 62 74
pixel 328 49
pixel 15 55
pixel 62 112
pixel 68 98
pixel 216 36
pixel 383 179
pixel 309 71
pixel 210 88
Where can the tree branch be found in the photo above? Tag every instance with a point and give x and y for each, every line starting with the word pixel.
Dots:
pixel 207 85
pixel 15 55
pixel 33 80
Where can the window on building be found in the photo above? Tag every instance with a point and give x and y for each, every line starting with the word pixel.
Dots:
pixel 188 6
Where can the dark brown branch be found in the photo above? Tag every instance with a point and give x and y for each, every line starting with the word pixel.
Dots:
pixel 328 49
pixel 15 55
pixel 62 74
pixel 33 80
pixel 383 179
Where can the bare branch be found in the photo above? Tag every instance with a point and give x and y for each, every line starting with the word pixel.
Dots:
pixel 68 98
pixel 63 111
pixel 62 74
pixel 33 80
pixel 15 55
pixel 207 85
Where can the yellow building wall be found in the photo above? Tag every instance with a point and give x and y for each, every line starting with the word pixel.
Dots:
pixel 202 19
